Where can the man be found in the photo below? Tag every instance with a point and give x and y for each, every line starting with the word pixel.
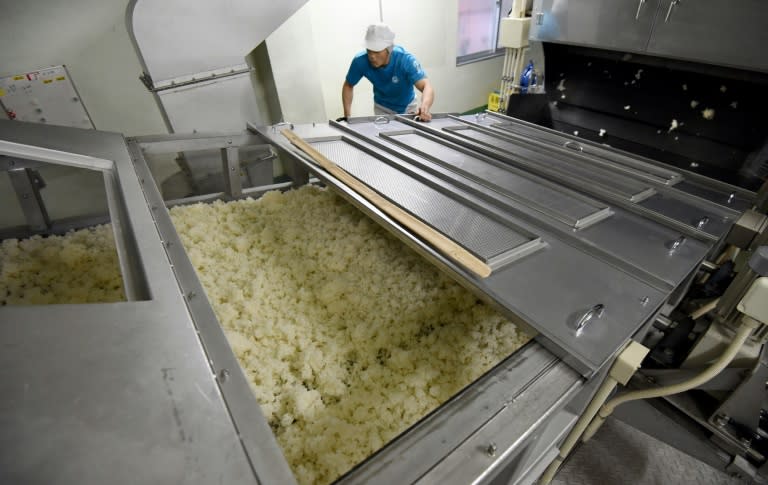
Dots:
pixel 393 71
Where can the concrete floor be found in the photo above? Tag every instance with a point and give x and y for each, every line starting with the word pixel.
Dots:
pixel 619 454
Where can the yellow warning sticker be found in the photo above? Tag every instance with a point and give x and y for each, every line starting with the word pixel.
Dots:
pixel 2 92
pixel 60 78
pixel 47 81
pixel 18 78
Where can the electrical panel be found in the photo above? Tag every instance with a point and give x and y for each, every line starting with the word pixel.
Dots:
pixel 45 96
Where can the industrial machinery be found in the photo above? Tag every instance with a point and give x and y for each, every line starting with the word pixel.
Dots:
pixel 588 247
pixel 613 260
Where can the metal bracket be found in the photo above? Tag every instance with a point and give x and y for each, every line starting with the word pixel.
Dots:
pixel 146 79
pixel 8 163
pixel 230 159
pixel 193 78
pixel 27 184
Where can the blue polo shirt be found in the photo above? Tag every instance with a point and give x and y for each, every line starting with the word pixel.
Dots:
pixel 393 83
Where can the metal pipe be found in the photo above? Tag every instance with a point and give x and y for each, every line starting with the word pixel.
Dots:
pixel 704 309
pixel 709 266
pixel 625 365
pixel 605 390
pixel 748 325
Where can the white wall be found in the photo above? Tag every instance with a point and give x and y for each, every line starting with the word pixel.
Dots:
pixel 325 35
pixel 90 37
pixel 310 55
pixel 295 68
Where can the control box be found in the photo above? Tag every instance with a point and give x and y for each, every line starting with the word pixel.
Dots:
pixel 45 96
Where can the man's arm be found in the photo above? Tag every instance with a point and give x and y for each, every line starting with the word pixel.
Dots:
pixel 427 98
pixel 347 90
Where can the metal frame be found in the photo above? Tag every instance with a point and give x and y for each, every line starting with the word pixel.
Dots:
pixel 605 247
pixel 533 244
pixel 631 169
pixel 688 230
pixel 126 383
pixel 171 353
pixel 230 148
pixel 250 424
pixel 616 154
pixel 597 216
pixel 482 429
pixel 636 195
pixel 575 150
pixel 175 347
pixel 27 184
pixel 480 188
pixel 133 279
pixel 556 333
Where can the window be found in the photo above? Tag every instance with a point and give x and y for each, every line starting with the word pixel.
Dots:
pixel 478 32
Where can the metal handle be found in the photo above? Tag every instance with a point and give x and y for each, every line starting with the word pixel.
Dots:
pixel 381 120
pixel 702 222
pixel 574 145
pixel 669 11
pixel 594 312
pixel 639 7
pixel 480 116
pixel 676 243
pixel 731 196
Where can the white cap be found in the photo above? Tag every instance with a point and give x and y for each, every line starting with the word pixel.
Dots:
pixel 378 37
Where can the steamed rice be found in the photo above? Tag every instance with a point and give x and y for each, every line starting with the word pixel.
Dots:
pixel 346 335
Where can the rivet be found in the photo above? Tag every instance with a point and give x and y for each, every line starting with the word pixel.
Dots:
pixel 721 420
pixel 224 375
pixel 191 295
pixel 491 449
pixel 746 442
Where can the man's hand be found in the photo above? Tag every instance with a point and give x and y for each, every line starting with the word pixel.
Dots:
pixel 423 114
pixel 427 98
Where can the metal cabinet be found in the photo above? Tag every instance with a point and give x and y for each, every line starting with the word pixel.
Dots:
pixel 611 24
pixel 710 31
pixel 732 33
